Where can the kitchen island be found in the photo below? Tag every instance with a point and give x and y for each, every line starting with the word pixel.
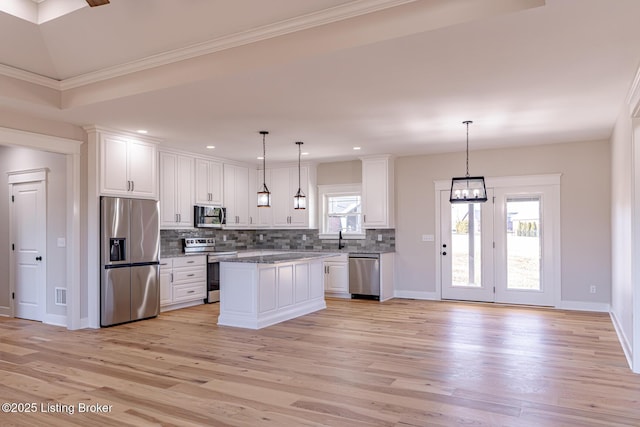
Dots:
pixel 263 290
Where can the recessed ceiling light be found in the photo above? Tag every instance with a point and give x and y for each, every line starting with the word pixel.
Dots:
pixel 142 131
pixel 305 154
pixel 259 157
pixel 211 147
pixel 356 148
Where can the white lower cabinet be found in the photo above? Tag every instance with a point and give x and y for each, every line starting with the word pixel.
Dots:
pixel 336 271
pixel 183 282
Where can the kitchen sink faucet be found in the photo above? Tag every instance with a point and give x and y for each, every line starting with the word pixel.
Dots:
pixel 340 244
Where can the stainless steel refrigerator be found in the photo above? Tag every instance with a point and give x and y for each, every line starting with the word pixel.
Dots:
pixel 130 246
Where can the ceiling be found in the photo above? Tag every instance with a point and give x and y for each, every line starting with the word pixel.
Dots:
pixel 389 76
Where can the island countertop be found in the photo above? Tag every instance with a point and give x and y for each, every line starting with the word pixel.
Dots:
pixel 280 257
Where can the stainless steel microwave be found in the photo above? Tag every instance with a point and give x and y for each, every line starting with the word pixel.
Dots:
pixel 209 216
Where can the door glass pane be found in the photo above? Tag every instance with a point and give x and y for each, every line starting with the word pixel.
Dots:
pixel 523 243
pixel 466 244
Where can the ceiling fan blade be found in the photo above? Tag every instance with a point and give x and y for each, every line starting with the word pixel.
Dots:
pixel 94 3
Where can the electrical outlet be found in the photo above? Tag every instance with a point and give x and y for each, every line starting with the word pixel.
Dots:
pixel 224 237
pixel 592 289
pixel 304 237
pixel 261 237
pixel 379 237
pixel 427 238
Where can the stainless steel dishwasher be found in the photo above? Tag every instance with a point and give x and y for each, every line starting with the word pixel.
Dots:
pixel 364 276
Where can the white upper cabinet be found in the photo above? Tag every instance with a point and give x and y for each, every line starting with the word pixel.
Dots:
pixel 128 166
pixel 236 195
pixel 378 192
pixel 208 182
pixel 176 191
pixel 284 185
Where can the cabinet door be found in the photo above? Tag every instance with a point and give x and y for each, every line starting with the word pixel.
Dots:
pixel 215 183
pixel 230 194
pixel 168 214
pixel 113 165
pixel 166 287
pixel 375 203
pixel 242 195
pixel 281 200
pixel 337 279
pixel 203 195
pixel 236 197
pixel 142 173
pixel 208 182
pixel 184 188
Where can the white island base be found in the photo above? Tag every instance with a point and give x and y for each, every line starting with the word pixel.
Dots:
pixel 254 295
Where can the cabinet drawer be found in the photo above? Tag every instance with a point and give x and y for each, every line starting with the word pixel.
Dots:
pixel 189 292
pixel 189 261
pixel 166 264
pixel 189 275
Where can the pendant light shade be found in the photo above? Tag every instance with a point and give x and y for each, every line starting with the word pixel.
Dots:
pixel 468 189
pixel 264 196
pixel 299 200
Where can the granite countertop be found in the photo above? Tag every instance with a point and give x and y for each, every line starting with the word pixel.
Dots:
pixel 283 252
pixel 282 257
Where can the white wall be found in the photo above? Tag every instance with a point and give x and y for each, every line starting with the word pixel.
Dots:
pixel 621 228
pixel 340 173
pixel 16 159
pixel 585 211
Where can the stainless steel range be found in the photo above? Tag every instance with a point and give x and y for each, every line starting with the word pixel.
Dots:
pixel 207 245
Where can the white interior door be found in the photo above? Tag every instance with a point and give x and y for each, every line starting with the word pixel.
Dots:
pixel 28 229
pixel 466 251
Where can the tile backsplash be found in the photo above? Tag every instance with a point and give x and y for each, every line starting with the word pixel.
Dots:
pixel 171 240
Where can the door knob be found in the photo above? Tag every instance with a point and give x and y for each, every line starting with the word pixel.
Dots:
pixel 444 253
pixel 444 245
pixel 38 258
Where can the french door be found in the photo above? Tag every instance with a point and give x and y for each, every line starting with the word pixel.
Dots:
pixel 505 250
pixel 466 249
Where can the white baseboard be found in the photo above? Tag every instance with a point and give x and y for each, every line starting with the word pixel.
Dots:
pixel 55 320
pixel 416 295
pixel 5 311
pixel 624 341
pixel 601 307
pixel 85 323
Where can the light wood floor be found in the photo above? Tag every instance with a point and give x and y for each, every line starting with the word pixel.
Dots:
pixel 357 363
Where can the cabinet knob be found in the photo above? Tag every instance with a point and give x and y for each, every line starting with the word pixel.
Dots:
pixel 444 253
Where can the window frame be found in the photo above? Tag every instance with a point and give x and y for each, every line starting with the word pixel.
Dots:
pixel 325 191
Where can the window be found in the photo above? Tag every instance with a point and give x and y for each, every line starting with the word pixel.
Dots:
pixel 341 210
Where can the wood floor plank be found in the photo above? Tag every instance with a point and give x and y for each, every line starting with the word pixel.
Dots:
pixel 357 363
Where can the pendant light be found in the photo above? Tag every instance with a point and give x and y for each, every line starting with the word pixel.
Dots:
pixel 264 196
pixel 299 200
pixel 468 189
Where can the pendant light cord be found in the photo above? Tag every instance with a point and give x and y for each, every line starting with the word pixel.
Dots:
pixel 264 134
pixel 264 161
pixel 467 122
pixel 299 154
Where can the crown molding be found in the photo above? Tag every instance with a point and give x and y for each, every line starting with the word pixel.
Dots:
pixel 90 129
pixel 29 77
pixel 315 19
